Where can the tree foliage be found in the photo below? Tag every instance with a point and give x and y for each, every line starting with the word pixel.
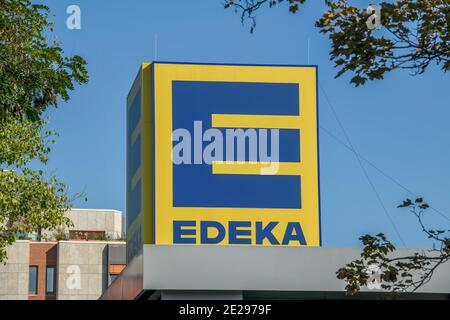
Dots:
pixel 34 72
pixel 413 35
pixel 34 75
pixel 28 200
pixel 398 274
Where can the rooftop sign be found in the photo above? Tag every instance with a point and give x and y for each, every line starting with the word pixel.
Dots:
pixel 228 154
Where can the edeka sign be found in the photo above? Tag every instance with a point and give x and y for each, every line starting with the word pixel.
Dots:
pixel 233 155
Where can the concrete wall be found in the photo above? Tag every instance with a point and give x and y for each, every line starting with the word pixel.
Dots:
pixel 109 221
pixel 83 270
pixel 14 274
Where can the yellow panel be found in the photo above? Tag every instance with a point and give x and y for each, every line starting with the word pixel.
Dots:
pixel 260 168
pixel 252 121
pixel 308 215
pixel 147 154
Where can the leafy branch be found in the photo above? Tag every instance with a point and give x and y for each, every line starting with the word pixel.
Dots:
pixel 398 274
pixel 414 35
pixel 248 8
pixel 34 72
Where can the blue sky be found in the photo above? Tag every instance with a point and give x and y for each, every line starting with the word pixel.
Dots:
pixel 400 124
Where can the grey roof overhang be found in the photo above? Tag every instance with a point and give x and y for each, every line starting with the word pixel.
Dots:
pixel 248 268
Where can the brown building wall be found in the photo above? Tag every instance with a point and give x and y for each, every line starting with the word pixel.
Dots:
pixel 43 254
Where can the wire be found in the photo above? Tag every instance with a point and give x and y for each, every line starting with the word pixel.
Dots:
pixel 395 181
pixel 374 189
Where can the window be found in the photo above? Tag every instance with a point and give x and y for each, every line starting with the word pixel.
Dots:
pixel 50 280
pixel 113 277
pixel 32 282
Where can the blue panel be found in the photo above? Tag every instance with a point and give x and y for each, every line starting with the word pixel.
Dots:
pixel 235 98
pixel 195 185
pixel 134 197
pixel 134 203
pixel 134 160
pixel 134 112
pixel 289 144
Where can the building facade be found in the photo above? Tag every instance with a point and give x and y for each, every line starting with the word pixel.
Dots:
pixel 90 224
pixel 14 274
pixel 80 267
